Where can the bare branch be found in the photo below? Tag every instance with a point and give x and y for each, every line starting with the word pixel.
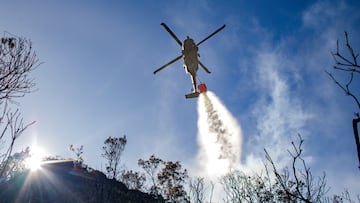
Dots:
pixel 351 50
pixel 14 127
pixel 17 61
pixel 346 88
pixel 300 185
pixel 197 190
pixel 350 66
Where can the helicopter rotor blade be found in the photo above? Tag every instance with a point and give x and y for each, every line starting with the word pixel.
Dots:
pixel 171 33
pixel 212 34
pixel 164 66
pixel 204 67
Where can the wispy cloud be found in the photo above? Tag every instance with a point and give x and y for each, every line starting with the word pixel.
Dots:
pixel 294 94
pixel 279 114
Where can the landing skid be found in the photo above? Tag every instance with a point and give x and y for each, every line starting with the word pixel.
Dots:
pixel 202 88
pixel 192 95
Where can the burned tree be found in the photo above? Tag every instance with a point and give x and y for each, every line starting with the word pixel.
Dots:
pixel 171 181
pixel 291 184
pixel 297 184
pixel 347 64
pixel 17 61
pixel 113 149
pixel 133 180
pixel 78 162
pixel 197 190
pixel 167 179
pixel 152 167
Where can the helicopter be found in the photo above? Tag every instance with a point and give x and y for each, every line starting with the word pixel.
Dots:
pixel 190 55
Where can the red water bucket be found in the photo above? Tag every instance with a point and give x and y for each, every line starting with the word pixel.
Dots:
pixel 202 88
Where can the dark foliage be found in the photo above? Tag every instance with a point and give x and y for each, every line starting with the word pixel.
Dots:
pixel 133 180
pixel 167 178
pixel 171 181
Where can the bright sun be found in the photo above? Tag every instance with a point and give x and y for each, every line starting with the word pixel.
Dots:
pixel 36 158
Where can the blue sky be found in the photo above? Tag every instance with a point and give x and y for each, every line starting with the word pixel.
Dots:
pixel 267 67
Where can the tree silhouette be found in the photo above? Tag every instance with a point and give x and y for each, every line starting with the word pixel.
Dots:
pixel 292 184
pixel 78 153
pixel 171 180
pixel 16 163
pixel 167 178
pixel 152 167
pixel 113 149
pixel 197 190
pixel 297 184
pixel 17 61
pixel 133 180
pixel 348 65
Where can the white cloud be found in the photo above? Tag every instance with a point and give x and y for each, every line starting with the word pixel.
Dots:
pixel 279 113
pixel 311 105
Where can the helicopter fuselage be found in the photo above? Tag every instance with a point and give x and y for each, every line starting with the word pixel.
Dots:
pixel 191 61
pixel 189 53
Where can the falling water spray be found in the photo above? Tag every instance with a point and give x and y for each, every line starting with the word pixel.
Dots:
pixel 219 137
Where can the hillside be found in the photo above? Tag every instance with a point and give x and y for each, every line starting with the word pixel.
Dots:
pixel 62 182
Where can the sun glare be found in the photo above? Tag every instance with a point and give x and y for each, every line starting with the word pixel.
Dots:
pixel 36 158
